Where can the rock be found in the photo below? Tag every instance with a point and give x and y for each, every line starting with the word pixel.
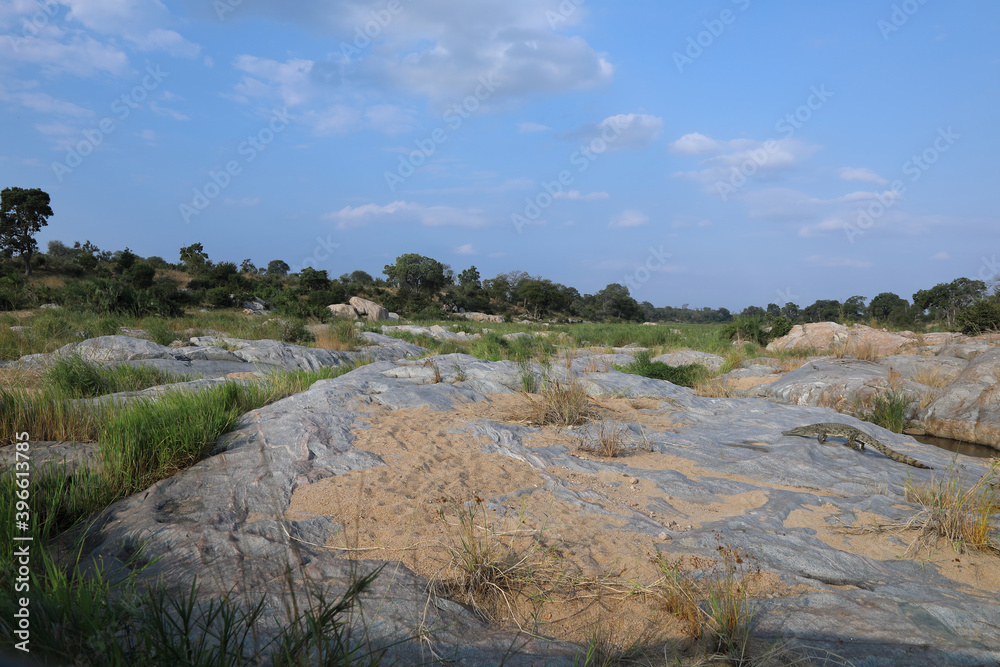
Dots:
pixel 840 384
pixel 104 348
pixel 940 370
pixel 483 317
pixel 859 340
pixel 255 307
pixel 969 408
pixel 517 334
pixel 649 324
pixel 966 348
pixel 343 310
pixel 435 331
pixel 395 317
pixel 712 362
pixel 369 309
pixel 50 306
pixel 20 330
pixel 719 470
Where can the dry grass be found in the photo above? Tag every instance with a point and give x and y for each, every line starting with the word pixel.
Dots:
pixel 495 570
pixel 963 516
pixel 611 439
pixel 790 364
pixel 562 402
pixel 341 337
pixel 716 388
pixel 933 377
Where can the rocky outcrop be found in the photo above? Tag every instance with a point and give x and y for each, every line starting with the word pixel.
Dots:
pixel 969 407
pixel 369 309
pixel 104 348
pixel 712 362
pixel 389 435
pixel 435 331
pixel 483 317
pixel 857 340
pixel 343 310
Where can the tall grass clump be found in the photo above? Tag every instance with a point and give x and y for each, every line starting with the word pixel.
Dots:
pixel 48 415
pixel 685 376
pixel 963 515
pixel 889 409
pixel 562 402
pixel 75 377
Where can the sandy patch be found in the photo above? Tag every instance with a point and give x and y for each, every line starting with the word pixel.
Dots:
pixel 869 536
pixel 588 569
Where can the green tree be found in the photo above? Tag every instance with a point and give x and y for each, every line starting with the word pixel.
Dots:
pixel 195 259
pixel 854 308
pixel 888 307
pixel 947 299
pixel 248 267
pixel 614 301
pixel 312 280
pixel 823 310
pixel 23 213
pixel 277 267
pixel 469 278
pixel 418 273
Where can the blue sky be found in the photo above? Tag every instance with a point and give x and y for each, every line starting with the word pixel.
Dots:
pixel 720 153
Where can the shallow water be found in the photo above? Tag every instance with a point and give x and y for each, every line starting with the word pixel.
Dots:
pixel 958 446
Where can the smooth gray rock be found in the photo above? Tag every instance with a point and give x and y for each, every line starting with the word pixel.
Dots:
pixel 104 348
pixel 218 519
pixel 712 362
pixel 969 408
pixel 910 366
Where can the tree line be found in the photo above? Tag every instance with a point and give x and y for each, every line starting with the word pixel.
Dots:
pixel 414 285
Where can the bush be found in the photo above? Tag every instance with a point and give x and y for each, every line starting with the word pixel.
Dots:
pixel 757 329
pixel 979 317
pixel 684 376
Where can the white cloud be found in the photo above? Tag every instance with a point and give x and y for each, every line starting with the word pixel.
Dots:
pixel 169 113
pixel 861 174
pixel 266 78
pixel 941 256
pixel 336 119
pixel 169 41
pixel 408 213
pixel 78 55
pixel 389 119
pixel 623 132
pixel 835 262
pixel 628 218
pixel 440 49
pixel 738 156
pixel 42 102
pixel 575 195
pixel 466 249
pixel 532 127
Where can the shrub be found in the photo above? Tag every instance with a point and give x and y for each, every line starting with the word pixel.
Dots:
pixel 684 376
pixel 979 317
pixel 757 329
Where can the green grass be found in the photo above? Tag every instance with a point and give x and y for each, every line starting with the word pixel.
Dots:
pixel 86 620
pixel 888 409
pixel 75 377
pixel 685 376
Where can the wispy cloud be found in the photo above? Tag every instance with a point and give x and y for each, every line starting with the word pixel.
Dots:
pixel 628 218
pixel 861 174
pixel 407 212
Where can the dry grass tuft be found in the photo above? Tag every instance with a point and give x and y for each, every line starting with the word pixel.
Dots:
pixel 341 337
pixel 963 516
pixel 562 402
pixel 716 388
pixel 611 439
pixel 933 377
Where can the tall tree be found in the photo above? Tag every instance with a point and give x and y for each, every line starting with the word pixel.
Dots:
pixel 418 273
pixel 23 213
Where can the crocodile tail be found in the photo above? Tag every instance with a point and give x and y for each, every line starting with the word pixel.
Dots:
pixel 903 458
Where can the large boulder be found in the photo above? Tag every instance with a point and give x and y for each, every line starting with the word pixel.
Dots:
pixel 343 310
pixel 969 408
pixel 104 348
pixel 483 317
pixel 369 309
pixel 858 340
pixel 712 362
pixel 357 472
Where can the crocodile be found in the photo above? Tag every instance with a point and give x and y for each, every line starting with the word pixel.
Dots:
pixel 855 437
